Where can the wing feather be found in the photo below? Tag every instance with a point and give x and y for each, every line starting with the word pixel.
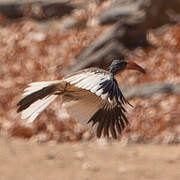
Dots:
pixel 109 119
pixel 83 109
pixel 103 110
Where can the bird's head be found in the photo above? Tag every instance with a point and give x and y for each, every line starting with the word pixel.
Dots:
pixel 121 65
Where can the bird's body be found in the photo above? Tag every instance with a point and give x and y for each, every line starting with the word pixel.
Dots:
pixel 91 96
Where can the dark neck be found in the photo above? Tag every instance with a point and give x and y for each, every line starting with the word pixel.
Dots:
pixel 114 70
pixel 117 66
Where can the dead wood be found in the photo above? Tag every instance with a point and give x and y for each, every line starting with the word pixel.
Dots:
pixel 146 90
pixel 134 19
pixel 103 49
pixel 131 12
pixel 39 10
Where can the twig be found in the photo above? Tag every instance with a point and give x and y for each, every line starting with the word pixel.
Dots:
pixel 39 10
pixel 148 89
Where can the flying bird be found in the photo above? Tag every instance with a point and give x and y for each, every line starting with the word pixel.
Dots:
pixel 91 96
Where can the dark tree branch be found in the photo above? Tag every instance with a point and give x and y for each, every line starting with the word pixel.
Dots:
pixel 125 12
pixel 36 9
pixel 146 90
pixel 133 20
pixel 104 49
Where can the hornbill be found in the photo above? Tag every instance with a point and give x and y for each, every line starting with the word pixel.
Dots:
pixel 91 96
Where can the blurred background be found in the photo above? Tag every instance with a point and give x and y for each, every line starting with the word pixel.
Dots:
pixel 47 39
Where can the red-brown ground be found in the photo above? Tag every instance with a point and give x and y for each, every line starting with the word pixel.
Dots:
pixel 24 160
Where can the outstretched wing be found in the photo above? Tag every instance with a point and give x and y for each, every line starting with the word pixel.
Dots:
pixel 97 114
pixel 100 82
pixel 99 103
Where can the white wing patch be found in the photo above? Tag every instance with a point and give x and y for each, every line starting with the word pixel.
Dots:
pixel 36 86
pixel 99 92
pixel 104 96
pixel 90 81
pixel 36 108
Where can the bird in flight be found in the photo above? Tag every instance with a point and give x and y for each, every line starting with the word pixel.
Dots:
pixel 91 96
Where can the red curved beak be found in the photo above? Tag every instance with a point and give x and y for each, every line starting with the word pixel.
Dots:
pixel 132 65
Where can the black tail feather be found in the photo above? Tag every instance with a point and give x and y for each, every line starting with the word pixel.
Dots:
pixel 31 98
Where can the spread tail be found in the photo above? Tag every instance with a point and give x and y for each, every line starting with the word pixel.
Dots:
pixel 36 98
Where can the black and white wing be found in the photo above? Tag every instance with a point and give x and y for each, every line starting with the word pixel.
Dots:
pixel 100 82
pixel 109 114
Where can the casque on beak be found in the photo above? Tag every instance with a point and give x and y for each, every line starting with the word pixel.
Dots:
pixel 133 66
